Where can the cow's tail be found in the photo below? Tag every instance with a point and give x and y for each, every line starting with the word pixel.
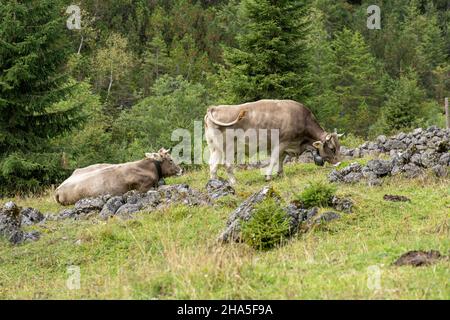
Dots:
pixel 223 124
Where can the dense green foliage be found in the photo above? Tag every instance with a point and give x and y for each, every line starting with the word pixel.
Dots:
pixel 271 54
pixel 144 68
pixel 33 54
pixel 268 226
pixel 316 194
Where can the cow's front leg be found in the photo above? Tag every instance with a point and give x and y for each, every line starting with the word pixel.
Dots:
pixel 275 161
pixel 280 172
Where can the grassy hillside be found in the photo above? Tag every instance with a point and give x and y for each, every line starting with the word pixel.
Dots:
pixel 173 253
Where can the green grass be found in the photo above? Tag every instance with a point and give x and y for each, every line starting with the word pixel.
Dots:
pixel 173 253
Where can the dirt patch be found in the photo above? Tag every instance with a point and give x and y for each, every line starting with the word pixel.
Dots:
pixel 396 198
pixel 418 258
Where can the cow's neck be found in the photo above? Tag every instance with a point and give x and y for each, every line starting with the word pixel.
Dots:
pixel 315 132
pixel 158 169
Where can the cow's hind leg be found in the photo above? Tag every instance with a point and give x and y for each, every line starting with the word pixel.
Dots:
pixel 214 162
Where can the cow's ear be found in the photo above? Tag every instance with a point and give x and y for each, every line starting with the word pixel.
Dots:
pixel 152 155
pixel 318 144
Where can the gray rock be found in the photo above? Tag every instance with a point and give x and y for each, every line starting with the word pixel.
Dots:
pixel 31 216
pixel 373 181
pixel 444 159
pixel 401 136
pixel 111 206
pixel 10 222
pixel 335 176
pixel 31 236
pixel 90 204
pixel 328 216
pixel 295 214
pixel 381 139
pixel 372 146
pixel 416 159
pixel 311 214
pixel 244 213
pixel 132 197
pixel 380 168
pixel 342 204
pixel 352 177
pixel 353 167
pixel 429 159
pixel 150 200
pixel 218 188
pixel 411 171
pixel 127 209
pixel 443 146
pixel 182 193
pixel 396 169
pixel 440 171
pixel 417 131
pixel 67 213
pixel 422 140
pixel 394 144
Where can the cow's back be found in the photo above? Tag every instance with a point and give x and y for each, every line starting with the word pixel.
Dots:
pixel 288 116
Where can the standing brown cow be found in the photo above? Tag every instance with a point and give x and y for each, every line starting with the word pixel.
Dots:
pixel 117 179
pixel 295 125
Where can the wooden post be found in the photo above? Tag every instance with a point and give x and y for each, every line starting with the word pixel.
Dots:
pixel 447 113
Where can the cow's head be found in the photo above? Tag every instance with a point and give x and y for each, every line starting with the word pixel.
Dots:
pixel 329 149
pixel 168 166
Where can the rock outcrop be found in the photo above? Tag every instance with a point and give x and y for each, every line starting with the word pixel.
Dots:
pixel 410 154
pixel 131 202
pixel 11 217
pixel 296 214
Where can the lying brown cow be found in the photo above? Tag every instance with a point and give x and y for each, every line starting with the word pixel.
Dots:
pixel 117 179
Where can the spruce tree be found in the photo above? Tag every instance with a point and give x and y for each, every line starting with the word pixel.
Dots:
pixel 405 104
pixel 271 58
pixel 155 62
pixel 356 81
pixel 322 99
pixel 34 47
